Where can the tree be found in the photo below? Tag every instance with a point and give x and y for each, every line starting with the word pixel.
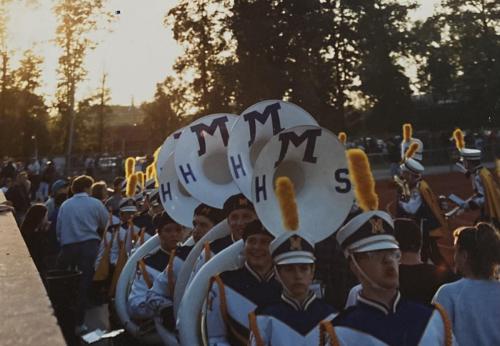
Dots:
pixel 461 45
pixel 384 38
pixel 77 19
pixel 165 114
pixel 198 27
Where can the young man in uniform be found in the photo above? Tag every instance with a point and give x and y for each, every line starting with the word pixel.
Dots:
pixel 296 318
pixel 150 267
pixel 236 293
pixel 381 316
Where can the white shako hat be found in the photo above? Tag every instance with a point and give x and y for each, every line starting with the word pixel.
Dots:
pixel 368 231
pixel 128 205
pixel 292 248
pixel 465 153
pixel 412 166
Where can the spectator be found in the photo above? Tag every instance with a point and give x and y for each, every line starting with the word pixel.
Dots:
pixel 59 186
pixel 100 191
pixel 48 177
pixel 80 221
pixel 18 195
pixel 417 281
pixel 473 303
pixel 34 231
pixel 9 171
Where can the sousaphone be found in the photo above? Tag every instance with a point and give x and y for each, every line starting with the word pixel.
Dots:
pixel 201 159
pixel 166 149
pixel 255 126
pixel 176 200
pixel 314 160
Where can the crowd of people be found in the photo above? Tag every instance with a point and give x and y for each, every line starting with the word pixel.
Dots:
pixel 380 279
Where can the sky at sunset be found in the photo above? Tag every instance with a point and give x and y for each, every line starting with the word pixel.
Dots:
pixel 136 54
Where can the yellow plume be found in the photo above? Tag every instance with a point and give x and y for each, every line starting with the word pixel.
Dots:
pixel 131 185
pixel 412 150
pixel 343 137
pixel 156 153
pixel 459 139
pixel 407 132
pixel 141 178
pixel 286 198
pixel 362 178
pixel 129 167
pixel 149 171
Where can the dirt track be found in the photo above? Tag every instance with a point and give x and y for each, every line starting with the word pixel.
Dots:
pixel 441 184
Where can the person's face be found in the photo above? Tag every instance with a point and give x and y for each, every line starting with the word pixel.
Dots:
pixel 201 225
pixel 237 220
pixel 170 234
pixel 297 278
pixel 381 266
pixel 410 178
pixel 126 216
pixel 257 250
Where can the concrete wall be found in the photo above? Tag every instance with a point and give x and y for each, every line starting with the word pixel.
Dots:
pixel 26 316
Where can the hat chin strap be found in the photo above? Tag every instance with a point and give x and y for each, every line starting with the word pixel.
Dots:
pixel 365 276
pixel 277 274
pixel 281 281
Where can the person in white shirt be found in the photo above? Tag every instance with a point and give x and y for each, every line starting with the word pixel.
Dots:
pixel 473 303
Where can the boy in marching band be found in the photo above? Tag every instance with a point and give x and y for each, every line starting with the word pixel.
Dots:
pixel 234 294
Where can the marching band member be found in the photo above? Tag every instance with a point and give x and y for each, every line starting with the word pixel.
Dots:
pixel 486 196
pixel 296 318
pixel 422 205
pixel 239 211
pixel 234 294
pixel 381 316
pixel 162 291
pixel 169 233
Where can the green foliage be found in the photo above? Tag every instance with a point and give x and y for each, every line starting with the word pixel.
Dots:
pixel 461 47
pixel 165 114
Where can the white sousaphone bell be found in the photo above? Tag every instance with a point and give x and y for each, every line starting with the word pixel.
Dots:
pixel 314 160
pixel 176 200
pixel 324 198
pixel 201 159
pixel 255 126
pixel 166 149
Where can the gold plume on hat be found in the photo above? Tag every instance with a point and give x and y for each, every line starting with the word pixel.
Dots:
pixel 129 167
pixel 342 137
pixel 149 171
pixel 411 150
pixel 288 205
pixel 131 185
pixel 154 172
pixel 407 132
pixel 458 135
pixel 141 178
pixel 362 178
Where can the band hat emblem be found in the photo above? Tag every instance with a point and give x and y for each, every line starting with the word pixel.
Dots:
pixel 254 127
pixel 319 177
pixel 175 199
pixel 377 226
pixel 201 159
pixel 295 243
pixel 166 149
